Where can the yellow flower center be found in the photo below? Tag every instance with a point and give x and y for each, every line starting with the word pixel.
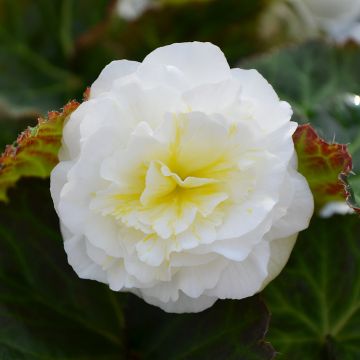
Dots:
pixel 184 180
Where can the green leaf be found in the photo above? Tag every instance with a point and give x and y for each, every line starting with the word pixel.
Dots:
pixel 40 60
pixel 35 151
pixel 354 182
pixel 322 83
pixel 324 165
pixel 228 330
pixel 47 312
pixel 315 301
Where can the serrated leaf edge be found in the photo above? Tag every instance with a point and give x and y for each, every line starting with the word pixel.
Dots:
pixel 347 169
pixel 9 156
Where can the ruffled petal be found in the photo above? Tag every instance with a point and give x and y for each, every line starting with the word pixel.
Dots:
pixel 75 248
pixel 185 65
pixel 184 304
pixel 115 70
pixel 244 278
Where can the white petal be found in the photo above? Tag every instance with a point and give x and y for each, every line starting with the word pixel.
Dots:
pixel 212 98
pixel 152 250
pixel 103 232
pixel 244 278
pixel 116 276
pixel 141 104
pixel 254 85
pixel 58 179
pixel 297 214
pixel 198 62
pixel 92 116
pixel 97 255
pixel 280 250
pixel 170 219
pixel 184 304
pixel 85 268
pixel 238 249
pixel 279 142
pixel 193 281
pixel 144 273
pixel 180 259
pixel 264 98
pixel 113 71
pixel 241 219
pixel 84 180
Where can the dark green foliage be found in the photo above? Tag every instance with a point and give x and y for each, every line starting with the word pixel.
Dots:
pixel 46 312
pixel 229 330
pixel 315 302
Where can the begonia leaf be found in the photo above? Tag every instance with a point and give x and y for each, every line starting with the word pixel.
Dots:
pixel 34 154
pixel 230 329
pixel 315 302
pixel 46 311
pixel 325 166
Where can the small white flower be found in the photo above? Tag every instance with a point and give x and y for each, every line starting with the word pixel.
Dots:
pixel 340 19
pixel 132 9
pixel 335 207
pixel 177 180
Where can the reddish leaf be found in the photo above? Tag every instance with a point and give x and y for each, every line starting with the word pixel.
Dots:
pixel 35 151
pixel 325 166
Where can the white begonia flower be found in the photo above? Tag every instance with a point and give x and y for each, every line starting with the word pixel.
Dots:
pixel 177 180
pixel 340 19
